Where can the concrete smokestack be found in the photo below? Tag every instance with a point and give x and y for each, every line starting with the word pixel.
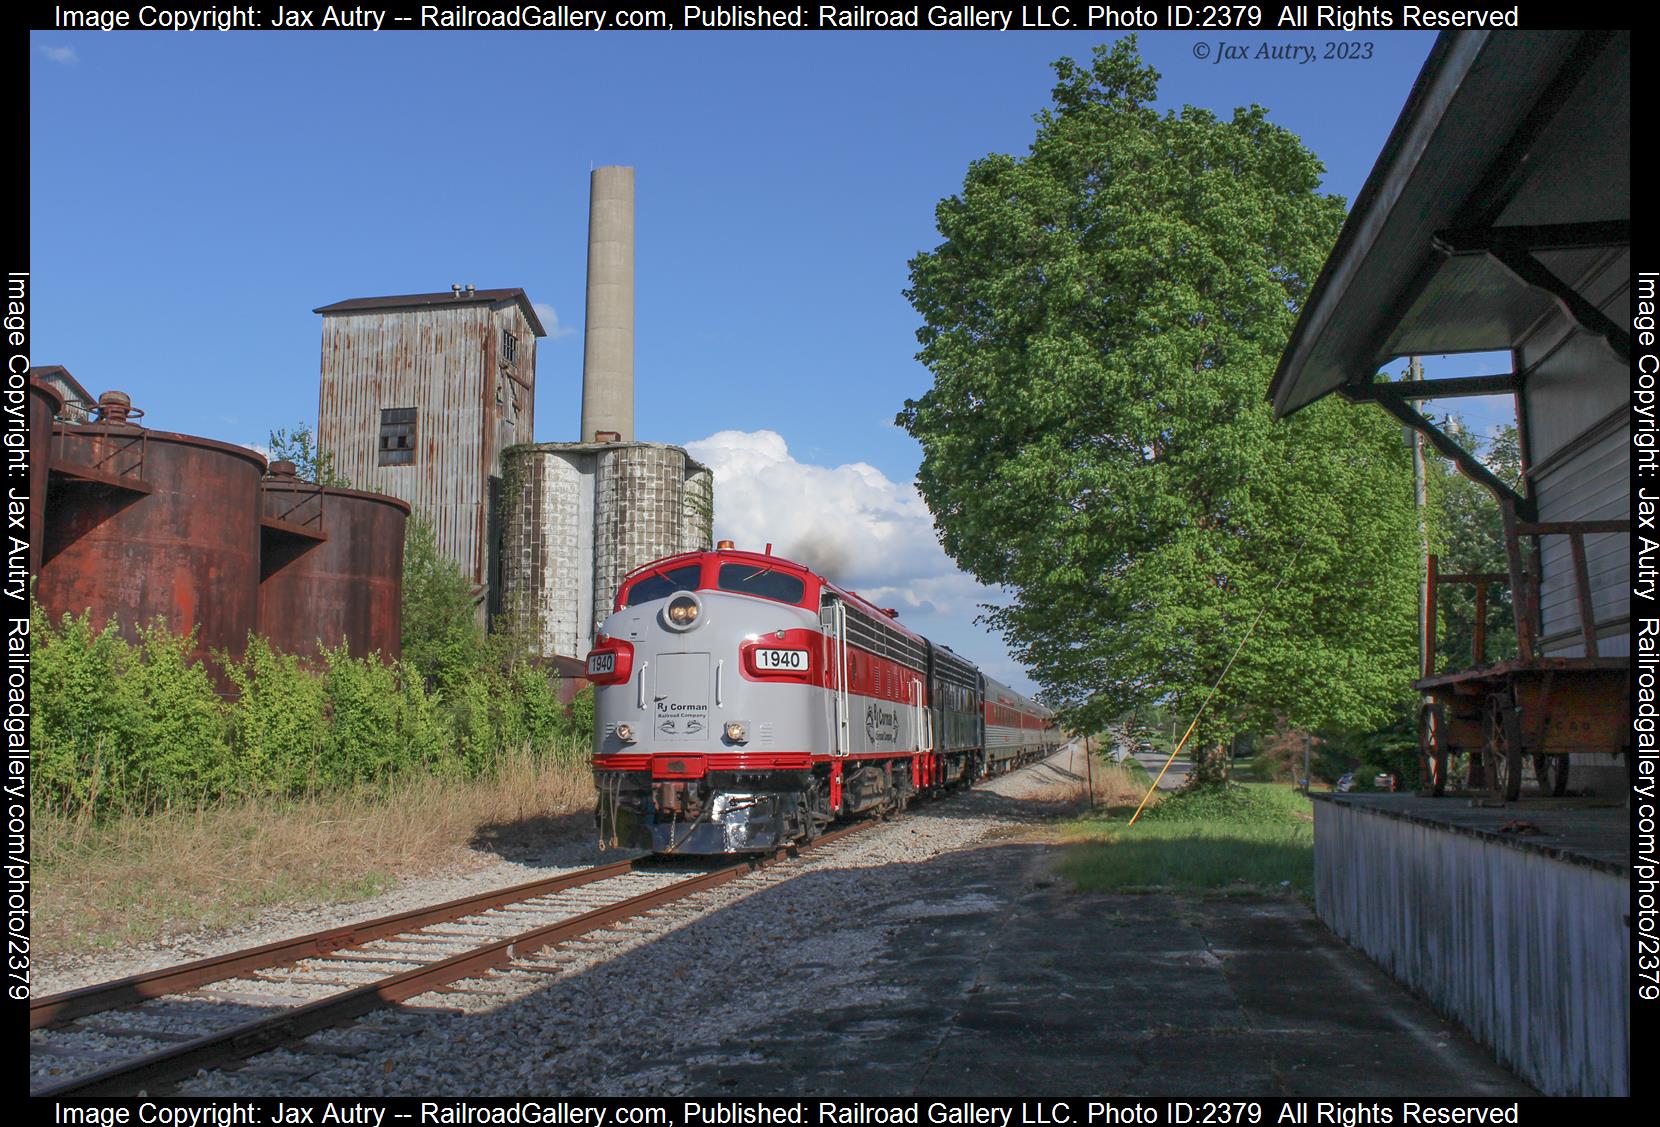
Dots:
pixel 608 332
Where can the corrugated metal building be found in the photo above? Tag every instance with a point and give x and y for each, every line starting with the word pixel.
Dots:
pixel 420 395
pixel 1498 218
pixel 1503 199
pixel 78 403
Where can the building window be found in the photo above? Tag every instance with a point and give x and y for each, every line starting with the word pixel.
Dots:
pixel 397 436
pixel 509 347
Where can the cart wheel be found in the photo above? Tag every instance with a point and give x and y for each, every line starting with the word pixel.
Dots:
pixel 1502 748
pixel 1552 773
pixel 1432 760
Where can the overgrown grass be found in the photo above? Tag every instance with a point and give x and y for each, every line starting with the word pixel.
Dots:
pixel 1063 793
pixel 1245 837
pixel 112 880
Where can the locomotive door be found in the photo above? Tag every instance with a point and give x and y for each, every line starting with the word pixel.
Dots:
pixel 833 618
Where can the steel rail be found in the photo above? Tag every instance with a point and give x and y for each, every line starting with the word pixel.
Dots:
pixel 262 1034
pixel 55 1009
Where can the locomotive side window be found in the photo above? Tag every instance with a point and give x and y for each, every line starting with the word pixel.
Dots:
pixel 663 585
pixel 763 582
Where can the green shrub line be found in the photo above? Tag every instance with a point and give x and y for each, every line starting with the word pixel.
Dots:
pixel 121 725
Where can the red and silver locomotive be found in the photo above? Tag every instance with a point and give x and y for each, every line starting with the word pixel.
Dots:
pixel 743 702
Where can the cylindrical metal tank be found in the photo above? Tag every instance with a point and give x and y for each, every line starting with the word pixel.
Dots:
pixel 44 404
pixel 149 524
pixel 347 588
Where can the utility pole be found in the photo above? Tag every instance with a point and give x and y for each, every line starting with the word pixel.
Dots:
pixel 1415 371
pixel 1089 767
pixel 1426 619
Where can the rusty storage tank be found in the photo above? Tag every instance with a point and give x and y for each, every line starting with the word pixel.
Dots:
pixel 44 405
pixel 145 523
pixel 332 569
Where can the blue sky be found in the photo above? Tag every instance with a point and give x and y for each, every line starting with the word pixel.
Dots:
pixel 195 196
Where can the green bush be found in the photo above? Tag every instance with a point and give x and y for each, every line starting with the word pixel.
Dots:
pixel 118 725
pixel 118 721
pixel 280 723
pixel 177 722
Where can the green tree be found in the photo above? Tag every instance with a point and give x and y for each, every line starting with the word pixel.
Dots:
pixel 441 637
pixel 312 462
pixel 1101 321
pixel 1467 534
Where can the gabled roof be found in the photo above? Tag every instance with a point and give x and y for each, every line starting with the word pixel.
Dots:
pixel 57 372
pixel 427 300
pixel 1505 134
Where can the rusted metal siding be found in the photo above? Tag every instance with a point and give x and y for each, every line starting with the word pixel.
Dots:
pixel 188 551
pixel 346 589
pixel 44 403
pixel 446 363
pixel 1523 946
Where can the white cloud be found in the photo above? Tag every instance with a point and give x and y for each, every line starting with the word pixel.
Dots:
pixel 550 320
pixel 850 522
pixel 64 55
pixel 857 527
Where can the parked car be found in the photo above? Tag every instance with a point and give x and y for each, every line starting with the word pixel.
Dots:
pixel 1346 783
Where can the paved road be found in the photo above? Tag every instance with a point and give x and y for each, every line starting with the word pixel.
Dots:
pixel 1154 762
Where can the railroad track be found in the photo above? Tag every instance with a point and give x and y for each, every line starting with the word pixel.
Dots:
pixel 296 987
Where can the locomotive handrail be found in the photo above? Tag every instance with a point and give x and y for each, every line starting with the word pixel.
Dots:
pixel 838 618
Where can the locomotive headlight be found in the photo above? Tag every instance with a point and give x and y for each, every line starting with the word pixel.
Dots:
pixel 682 612
pixel 625 733
pixel 737 731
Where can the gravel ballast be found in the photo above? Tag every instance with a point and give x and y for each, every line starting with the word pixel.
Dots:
pixel 702 964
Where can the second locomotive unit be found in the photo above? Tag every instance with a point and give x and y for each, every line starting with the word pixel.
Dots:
pixel 743 702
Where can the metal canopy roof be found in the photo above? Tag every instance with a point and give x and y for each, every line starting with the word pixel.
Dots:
pixel 1502 130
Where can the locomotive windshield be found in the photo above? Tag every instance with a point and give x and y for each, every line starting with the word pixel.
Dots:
pixel 766 583
pixel 663 584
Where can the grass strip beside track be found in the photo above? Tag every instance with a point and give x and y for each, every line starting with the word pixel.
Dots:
pixel 1254 837
pixel 147 876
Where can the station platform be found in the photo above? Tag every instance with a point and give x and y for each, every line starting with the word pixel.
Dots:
pixel 1511 920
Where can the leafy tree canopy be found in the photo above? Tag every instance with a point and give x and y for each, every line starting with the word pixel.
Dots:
pixel 1467 533
pixel 441 635
pixel 1102 320
pixel 311 461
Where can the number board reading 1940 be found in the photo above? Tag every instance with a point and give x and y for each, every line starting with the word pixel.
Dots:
pixel 793 660
pixel 600 664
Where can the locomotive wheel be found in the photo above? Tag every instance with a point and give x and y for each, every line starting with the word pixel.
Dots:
pixel 1502 748
pixel 1552 773
pixel 810 802
pixel 1432 760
